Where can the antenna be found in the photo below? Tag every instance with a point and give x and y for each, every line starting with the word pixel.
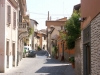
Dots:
pixel 63 8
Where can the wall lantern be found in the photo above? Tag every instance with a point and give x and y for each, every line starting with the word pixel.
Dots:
pixel 82 19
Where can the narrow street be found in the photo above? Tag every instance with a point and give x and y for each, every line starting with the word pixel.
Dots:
pixel 41 65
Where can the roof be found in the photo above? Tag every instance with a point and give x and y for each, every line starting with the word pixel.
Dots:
pixel 43 30
pixel 62 19
pixel 55 23
pixel 34 21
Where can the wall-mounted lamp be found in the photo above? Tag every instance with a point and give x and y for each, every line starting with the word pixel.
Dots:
pixel 82 19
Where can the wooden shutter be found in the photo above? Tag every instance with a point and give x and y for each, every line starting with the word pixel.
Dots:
pixel 14 19
pixel 9 14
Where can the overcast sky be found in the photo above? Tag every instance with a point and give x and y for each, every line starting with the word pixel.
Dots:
pixel 38 9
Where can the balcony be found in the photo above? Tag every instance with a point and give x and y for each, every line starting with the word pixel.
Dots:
pixel 23 27
pixel 26 19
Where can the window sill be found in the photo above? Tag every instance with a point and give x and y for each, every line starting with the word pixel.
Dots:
pixel 8 24
pixel 14 28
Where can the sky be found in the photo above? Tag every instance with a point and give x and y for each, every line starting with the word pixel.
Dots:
pixel 38 10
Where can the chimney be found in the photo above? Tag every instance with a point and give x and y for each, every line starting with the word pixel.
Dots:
pixel 50 18
pixel 48 15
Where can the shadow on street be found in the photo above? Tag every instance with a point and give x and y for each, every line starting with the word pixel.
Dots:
pixel 55 67
pixel 52 70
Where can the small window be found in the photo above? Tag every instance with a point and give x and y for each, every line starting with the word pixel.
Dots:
pixel 61 27
pixel 8 15
pixel 44 38
pixel 14 20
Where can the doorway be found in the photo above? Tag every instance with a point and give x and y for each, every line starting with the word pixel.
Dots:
pixel 13 54
pixel 87 59
pixel 7 54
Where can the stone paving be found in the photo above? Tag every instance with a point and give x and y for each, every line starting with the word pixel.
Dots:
pixel 41 65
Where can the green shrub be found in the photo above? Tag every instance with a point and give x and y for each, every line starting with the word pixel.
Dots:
pixel 71 59
pixel 39 48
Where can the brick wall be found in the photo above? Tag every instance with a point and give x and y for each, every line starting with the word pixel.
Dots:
pixel 95 46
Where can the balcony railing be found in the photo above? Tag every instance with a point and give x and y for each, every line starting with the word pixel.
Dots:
pixel 23 27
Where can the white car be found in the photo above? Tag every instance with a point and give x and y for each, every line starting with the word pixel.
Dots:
pixel 27 48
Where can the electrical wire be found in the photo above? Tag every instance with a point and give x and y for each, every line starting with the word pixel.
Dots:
pixel 47 14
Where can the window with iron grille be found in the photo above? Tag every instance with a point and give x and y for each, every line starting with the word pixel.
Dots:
pixel 14 20
pixel 8 14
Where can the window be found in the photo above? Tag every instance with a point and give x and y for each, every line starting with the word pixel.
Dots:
pixel 13 53
pixel 20 16
pixel 44 38
pixel 8 15
pixel 7 48
pixel 61 27
pixel 14 20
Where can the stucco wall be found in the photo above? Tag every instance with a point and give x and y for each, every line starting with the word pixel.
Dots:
pixel 89 9
pixel 35 43
pixel 33 38
pixel 12 33
pixel 44 42
pixel 2 38
pixel 7 33
pixel 55 34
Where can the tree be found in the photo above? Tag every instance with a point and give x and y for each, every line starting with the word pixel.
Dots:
pixel 73 29
pixel 63 35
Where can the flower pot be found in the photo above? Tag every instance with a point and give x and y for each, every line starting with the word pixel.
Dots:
pixel 73 65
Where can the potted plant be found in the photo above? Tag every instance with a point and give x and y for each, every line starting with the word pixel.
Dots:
pixel 56 50
pixel 72 61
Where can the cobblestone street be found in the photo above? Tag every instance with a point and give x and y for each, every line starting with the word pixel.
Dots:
pixel 41 66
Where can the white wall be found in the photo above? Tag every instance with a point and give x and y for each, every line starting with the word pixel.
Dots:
pixel 35 43
pixel 2 38
pixel 7 33
pixel 11 32
pixel 54 34
pixel 34 39
pixel 44 42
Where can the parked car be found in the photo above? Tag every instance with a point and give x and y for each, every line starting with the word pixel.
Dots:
pixel 27 48
pixel 31 53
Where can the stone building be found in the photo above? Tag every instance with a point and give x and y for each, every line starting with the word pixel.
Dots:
pixel 90 37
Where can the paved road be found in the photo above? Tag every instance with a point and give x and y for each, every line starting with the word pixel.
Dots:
pixel 41 65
